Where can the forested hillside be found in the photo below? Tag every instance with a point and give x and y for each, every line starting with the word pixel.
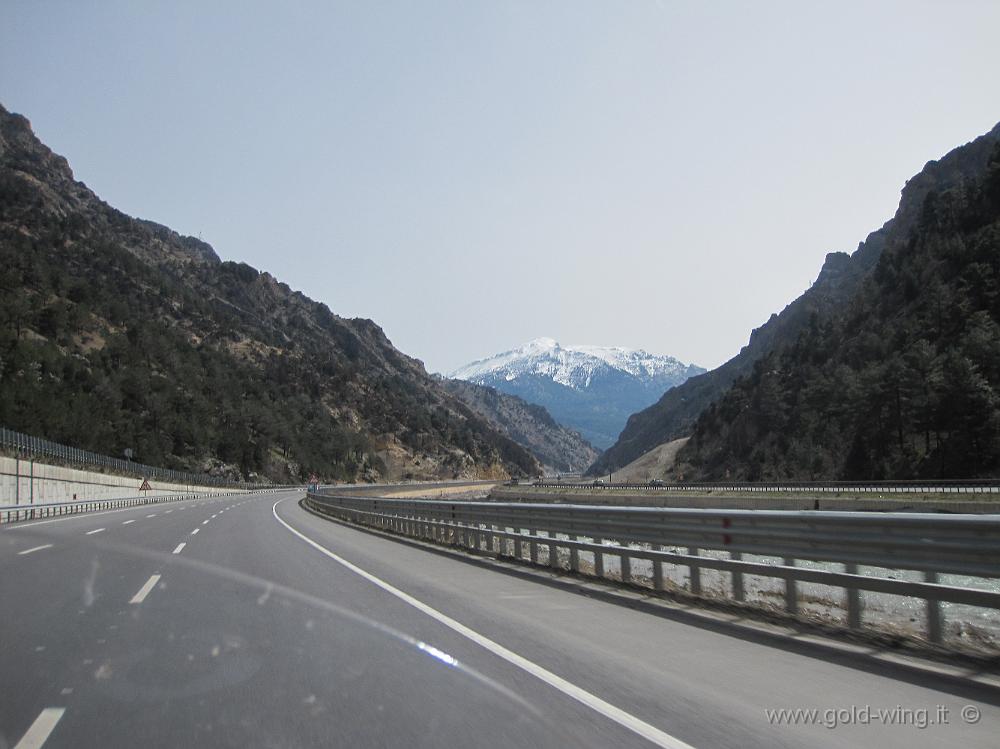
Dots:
pixel 118 333
pixel 557 448
pixel 904 381
pixel 834 290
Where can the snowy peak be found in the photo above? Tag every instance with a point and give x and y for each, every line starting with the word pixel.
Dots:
pixel 572 366
pixel 591 389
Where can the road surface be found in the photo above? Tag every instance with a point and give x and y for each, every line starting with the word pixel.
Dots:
pixel 246 621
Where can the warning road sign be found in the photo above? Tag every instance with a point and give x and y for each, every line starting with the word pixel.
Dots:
pixel 145 485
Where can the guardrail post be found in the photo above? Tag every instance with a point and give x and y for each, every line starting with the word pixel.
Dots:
pixel 553 553
pixel 737 578
pixel 853 600
pixel 625 561
pixel 791 590
pixel 518 550
pixel 935 621
pixel 599 559
pixel 657 571
pixel 574 556
pixel 695 572
pixel 533 547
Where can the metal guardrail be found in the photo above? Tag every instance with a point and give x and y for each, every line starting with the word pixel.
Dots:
pixel 26 445
pixel 956 486
pixel 934 545
pixel 17 513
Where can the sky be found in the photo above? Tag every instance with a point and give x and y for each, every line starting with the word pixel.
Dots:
pixel 473 175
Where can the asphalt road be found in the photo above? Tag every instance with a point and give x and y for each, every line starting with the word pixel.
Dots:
pixel 246 621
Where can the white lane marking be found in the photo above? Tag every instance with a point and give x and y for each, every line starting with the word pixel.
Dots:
pixel 145 589
pixel 638 726
pixel 195 531
pixel 205 522
pixel 127 522
pixel 151 515
pixel 34 549
pixel 168 512
pixel 96 530
pixel 180 548
pixel 44 724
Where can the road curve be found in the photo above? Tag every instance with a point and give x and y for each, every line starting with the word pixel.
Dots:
pixel 246 621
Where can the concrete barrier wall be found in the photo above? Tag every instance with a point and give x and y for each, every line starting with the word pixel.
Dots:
pixel 27 481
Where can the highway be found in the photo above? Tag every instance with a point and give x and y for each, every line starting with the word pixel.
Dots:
pixel 247 621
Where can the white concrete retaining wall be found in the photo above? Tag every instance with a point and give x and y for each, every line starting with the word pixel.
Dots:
pixel 27 481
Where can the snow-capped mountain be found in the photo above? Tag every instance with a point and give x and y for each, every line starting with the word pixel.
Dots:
pixel 593 389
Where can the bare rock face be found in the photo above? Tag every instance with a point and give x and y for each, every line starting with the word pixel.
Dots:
pixel 121 333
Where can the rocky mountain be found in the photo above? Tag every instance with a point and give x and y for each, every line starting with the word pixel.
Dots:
pixel 591 389
pixel 839 282
pixel 119 333
pixel 558 449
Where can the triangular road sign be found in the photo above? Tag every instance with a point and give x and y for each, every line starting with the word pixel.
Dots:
pixel 145 485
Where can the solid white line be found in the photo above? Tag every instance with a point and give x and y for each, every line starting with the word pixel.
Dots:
pixel 34 549
pixel 128 521
pixel 180 548
pixel 145 589
pixel 41 728
pixel 195 531
pixel 96 530
pixel 626 720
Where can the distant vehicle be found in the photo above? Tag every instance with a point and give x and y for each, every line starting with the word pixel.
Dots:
pixel 598 482
pixel 512 482
pixel 656 482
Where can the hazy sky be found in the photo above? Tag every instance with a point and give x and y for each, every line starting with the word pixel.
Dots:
pixel 475 174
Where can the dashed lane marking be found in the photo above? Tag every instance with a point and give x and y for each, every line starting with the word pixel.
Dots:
pixel 145 589
pixel 34 549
